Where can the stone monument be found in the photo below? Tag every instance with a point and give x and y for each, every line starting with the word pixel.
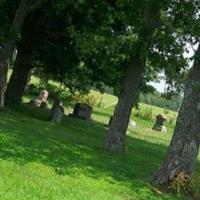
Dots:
pixel 57 111
pixel 83 111
pixel 41 98
pixel 160 124
pixel 132 124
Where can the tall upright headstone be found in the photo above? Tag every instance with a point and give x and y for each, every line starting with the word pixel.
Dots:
pixel 41 98
pixel 160 124
pixel 57 111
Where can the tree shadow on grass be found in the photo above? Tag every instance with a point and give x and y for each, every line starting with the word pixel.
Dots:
pixel 75 146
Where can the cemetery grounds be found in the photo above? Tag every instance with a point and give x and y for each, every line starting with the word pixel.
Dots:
pixel 43 160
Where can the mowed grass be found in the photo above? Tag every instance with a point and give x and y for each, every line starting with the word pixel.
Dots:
pixel 43 160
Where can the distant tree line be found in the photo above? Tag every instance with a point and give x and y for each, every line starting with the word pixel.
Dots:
pixel 158 99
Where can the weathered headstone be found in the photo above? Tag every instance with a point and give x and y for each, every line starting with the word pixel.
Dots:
pixel 82 111
pixel 41 98
pixel 160 124
pixel 132 124
pixel 57 111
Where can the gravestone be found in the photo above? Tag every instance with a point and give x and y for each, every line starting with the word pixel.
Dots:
pixel 41 98
pixel 83 111
pixel 132 124
pixel 160 124
pixel 57 111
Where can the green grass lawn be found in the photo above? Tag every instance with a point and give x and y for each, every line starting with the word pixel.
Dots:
pixel 40 160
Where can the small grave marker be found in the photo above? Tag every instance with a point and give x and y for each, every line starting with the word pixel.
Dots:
pixel 57 111
pixel 160 124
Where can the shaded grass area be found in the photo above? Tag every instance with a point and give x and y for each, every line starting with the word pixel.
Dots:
pixel 42 160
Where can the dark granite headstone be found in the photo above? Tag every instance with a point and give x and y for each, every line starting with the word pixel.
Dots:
pixel 160 123
pixel 82 111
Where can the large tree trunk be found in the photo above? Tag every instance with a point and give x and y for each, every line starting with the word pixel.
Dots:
pixel 3 73
pixel 22 12
pixel 115 140
pixel 19 78
pixel 3 79
pixel 9 46
pixel 184 147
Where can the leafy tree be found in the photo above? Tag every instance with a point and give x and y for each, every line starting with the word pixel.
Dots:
pixel 44 45
pixel 53 49
pixel 184 146
pixel 145 27
pixel 26 47
pixel 127 48
pixel 162 100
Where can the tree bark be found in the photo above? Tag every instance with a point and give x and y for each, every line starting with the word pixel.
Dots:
pixel 9 46
pixel 21 13
pixel 19 78
pixel 115 141
pixel 184 146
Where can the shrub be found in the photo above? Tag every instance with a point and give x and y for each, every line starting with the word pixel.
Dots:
pixel 195 186
pixel 171 121
pixel 32 111
pixel 182 183
pixel 90 99
pixel 166 111
pixel 54 90
pixel 145 113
